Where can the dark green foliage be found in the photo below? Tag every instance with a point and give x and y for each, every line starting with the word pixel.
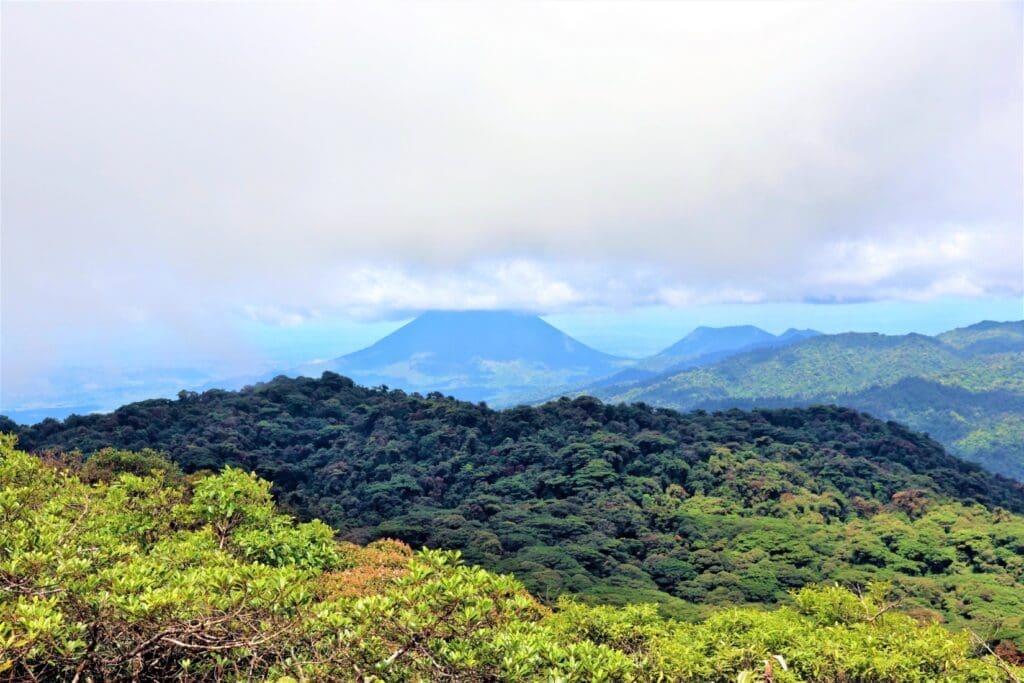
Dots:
pixel 619 503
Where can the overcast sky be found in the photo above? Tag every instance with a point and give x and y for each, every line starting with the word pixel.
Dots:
pixel 170 170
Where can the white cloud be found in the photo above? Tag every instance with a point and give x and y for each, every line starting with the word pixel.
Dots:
pixel 275 315
pixel 175 164
pixel 953 261
pixel 372 291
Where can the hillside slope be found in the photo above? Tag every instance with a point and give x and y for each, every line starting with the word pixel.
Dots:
pixel 614 503
pixel 701 347
pixel 965 387
pixel 705 341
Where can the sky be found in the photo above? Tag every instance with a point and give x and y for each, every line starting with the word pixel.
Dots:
pixel 219 187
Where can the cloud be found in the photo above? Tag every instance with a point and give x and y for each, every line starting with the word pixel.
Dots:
pixel 280 317
pixel 954 262
pixel 172 165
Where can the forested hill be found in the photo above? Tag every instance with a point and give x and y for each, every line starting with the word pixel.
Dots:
pixel 288 429
pixel 964 387
pixel 616 503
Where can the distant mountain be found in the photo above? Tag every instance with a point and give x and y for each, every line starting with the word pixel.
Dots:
pixel 707 345
pixel 493 356
pixel 987 337
pixel 708 340
pixel 965 386
pixel 703 346
pixel 794 335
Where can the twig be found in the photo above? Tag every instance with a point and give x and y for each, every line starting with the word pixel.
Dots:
pixel 1000 662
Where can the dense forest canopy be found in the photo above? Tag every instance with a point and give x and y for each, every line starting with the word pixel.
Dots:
pixel 614 504
pixel 159 576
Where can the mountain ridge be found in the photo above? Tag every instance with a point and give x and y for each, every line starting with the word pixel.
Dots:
pixel 860 370
pixel 702 346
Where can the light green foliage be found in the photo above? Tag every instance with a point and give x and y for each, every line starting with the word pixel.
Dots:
pixel 831 635
pixel 239 510
pixel 112 575
pixel 235 499
pixel 137 579
pixel 439 614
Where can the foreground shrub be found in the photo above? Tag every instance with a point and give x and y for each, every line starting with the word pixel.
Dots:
pixel 135 577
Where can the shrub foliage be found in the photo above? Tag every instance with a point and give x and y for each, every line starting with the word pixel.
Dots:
pixel 142 577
